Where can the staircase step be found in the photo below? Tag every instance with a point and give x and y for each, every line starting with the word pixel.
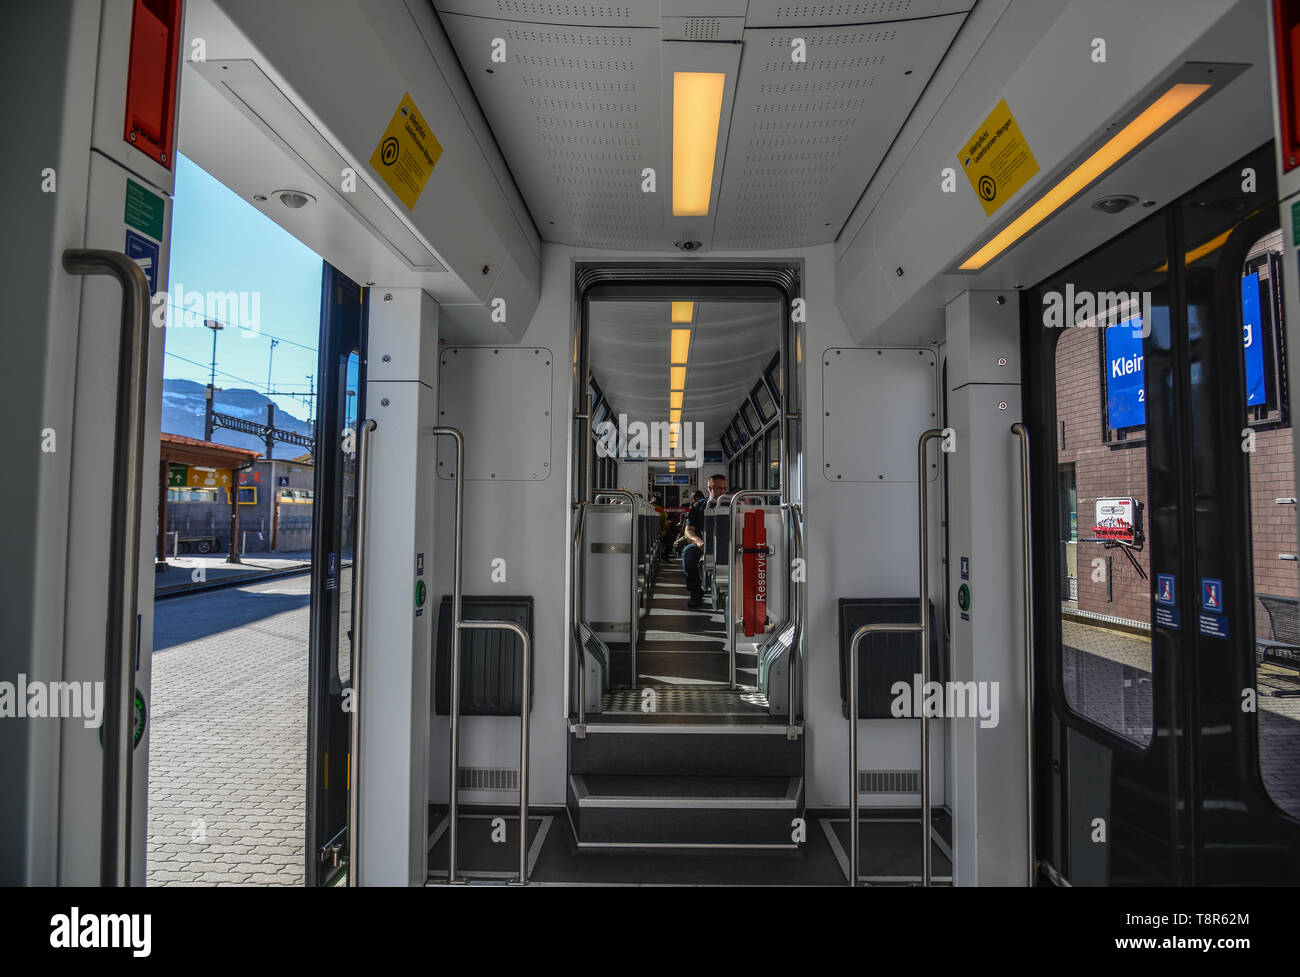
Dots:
pixel 677 811
pixel 699 750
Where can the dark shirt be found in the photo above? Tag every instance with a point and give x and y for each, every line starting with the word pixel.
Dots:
pixel 695 518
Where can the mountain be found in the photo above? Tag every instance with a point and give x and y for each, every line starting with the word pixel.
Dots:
pixel 183 410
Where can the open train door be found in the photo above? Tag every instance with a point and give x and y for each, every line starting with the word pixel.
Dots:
pixel 341 372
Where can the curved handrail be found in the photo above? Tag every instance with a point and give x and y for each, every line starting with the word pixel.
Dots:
pixel 923 628
pixel 124 553
pixel 576 580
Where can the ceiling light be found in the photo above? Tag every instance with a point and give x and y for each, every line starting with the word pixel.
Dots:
pixel 677 377
pixel 674 415
pixel 672 467
pixel 683 312
pixel 697 113
pixel 681 345
pixel 1160 112
pixel 1114 205
pixel 675 398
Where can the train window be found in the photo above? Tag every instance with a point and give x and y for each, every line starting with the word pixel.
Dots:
pixel 773 378
pixel 599 415
pixel 1272 522
pixel 1103 582
pixel 191 495
pixel 750 417
pixel 726 445
pixel 762 399
pixel 774 457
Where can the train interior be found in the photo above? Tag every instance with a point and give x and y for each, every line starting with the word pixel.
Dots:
pixel 948 293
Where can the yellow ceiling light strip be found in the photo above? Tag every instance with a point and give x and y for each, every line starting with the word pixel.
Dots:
pixel 697 113
pixel 674 416
pixel 683 312
pixel 677 378
pixel 675 398
pixel 680 347
pixel 1166 107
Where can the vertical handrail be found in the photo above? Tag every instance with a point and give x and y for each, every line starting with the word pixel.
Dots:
pixel 578 580
pixel 733 578
pixel 922 628
pixel 1022 433
pixel 796 611
pixel 458 625
pixel 364 429
pixel 634 567
pixel 523 729
pixel 124 553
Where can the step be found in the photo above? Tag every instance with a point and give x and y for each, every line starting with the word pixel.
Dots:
pixel 689 812
pixel 738 746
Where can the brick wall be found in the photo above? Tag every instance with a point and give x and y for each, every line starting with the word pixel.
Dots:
pixel 1102 471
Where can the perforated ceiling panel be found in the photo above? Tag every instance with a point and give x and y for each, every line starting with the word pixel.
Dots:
pixel 576 111
pixel 731 345
pixel 578 106
pixel 806 137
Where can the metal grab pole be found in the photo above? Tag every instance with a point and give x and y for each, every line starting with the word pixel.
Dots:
pixel 453 797
pixel 523 731
pixel 578 582
pixel 1022 433
pixel 796 612
pixel 364 430
pixel 124 553
pixel 733 577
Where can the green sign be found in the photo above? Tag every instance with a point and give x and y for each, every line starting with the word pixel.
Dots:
pixel 963 597
pixel 141 718
pixel 419 593
pixel 177 475
pixel 144 210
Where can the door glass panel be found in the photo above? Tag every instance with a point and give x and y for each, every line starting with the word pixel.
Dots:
pixel 1108 305
pixel 1272 522
pixel 774 457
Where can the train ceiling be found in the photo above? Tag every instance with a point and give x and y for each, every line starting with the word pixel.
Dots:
pixel 580 98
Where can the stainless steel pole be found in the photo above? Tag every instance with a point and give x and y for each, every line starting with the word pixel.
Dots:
pixel 923 604
pixel 124 554
pixel 453 796
pixel 1026 523
pixel 358 631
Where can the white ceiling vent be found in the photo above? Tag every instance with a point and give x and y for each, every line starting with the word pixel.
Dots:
pixel 636 13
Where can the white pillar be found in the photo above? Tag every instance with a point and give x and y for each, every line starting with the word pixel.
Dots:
pixel 395 675
pixel 988 769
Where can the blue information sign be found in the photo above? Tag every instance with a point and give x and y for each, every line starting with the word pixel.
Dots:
pixel 1252 339
pixel 1125 389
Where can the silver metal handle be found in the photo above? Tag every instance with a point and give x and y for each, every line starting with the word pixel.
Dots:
pixel 795 607
pixel 923 628
pixel 459 624
pixel 523 732
pixel 1031 858
pixel 733 578
pixel 364 430
pixel 635 565
pixel 124 553
pixel 578 581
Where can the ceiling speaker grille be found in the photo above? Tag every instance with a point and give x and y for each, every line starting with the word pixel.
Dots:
pixel 510 9
pixel 889 9
pixel 702 28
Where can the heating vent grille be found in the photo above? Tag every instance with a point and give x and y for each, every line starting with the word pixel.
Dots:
pixel 889 781
pixel 488 778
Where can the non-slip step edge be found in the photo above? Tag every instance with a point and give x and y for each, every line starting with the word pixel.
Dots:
pixel 790 800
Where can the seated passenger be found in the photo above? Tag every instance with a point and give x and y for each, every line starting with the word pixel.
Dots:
pixel 693 553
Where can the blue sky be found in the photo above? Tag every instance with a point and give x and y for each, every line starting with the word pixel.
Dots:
pixel 222 243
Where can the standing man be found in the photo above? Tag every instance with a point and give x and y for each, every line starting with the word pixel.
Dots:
pixel 693 552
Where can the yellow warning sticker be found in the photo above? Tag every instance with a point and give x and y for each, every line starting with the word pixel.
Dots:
pixel 407 153
pixel 997 159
